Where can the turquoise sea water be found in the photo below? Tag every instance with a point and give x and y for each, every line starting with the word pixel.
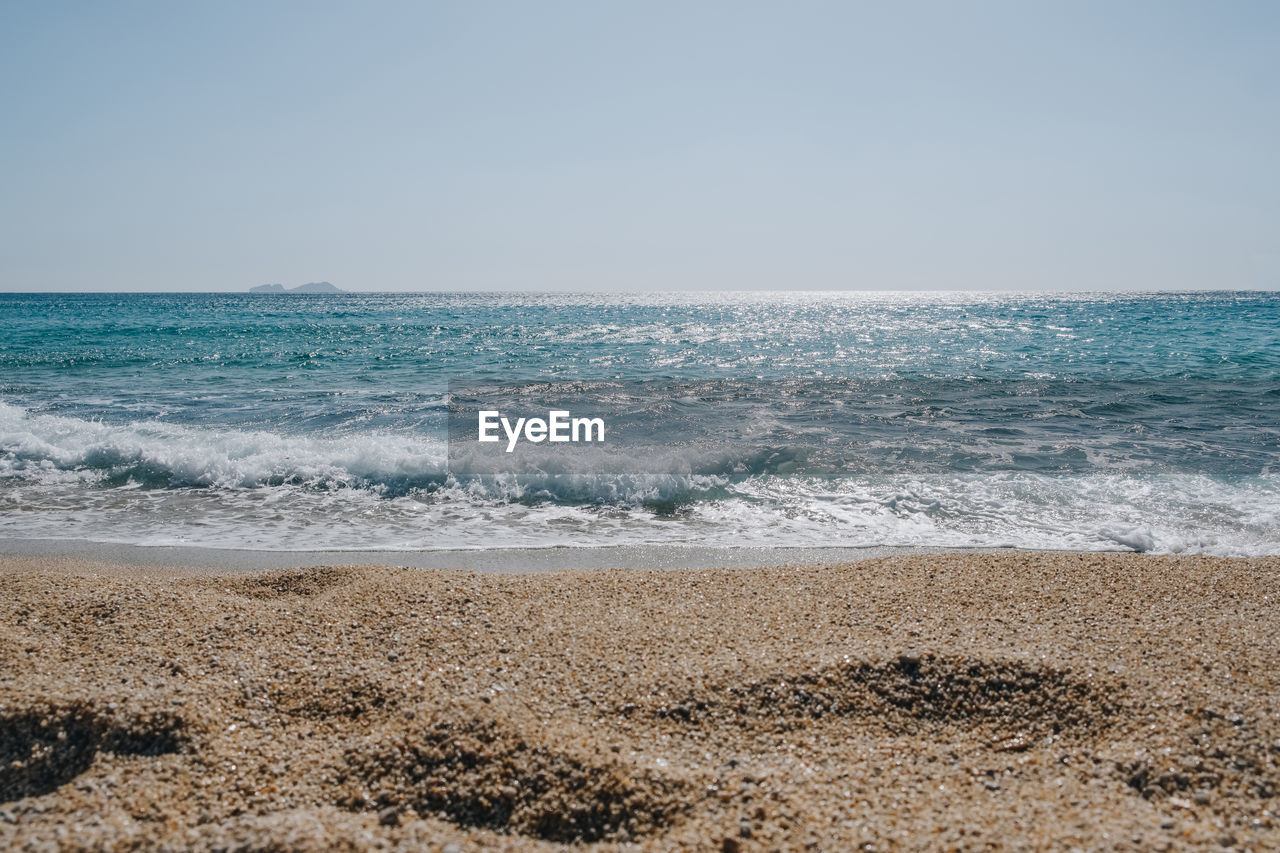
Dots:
pixel 1145 421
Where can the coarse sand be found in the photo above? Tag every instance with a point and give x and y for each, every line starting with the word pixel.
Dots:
pixel 1007 700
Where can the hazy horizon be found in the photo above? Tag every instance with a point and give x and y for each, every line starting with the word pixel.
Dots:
pixel 571 146
pixel 759 291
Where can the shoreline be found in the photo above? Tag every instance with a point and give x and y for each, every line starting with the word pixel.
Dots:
pixel 915 701
pixel 197 559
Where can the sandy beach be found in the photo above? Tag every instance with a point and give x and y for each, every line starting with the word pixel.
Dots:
pixel 1007 700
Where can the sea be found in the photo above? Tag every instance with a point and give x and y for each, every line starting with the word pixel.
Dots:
pixel 1134 421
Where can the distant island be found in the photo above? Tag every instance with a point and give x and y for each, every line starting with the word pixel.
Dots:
pixel 311 287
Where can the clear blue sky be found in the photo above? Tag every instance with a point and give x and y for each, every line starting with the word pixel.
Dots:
pixel 643 145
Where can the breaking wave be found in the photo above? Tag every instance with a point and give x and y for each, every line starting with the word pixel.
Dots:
pixel 150 482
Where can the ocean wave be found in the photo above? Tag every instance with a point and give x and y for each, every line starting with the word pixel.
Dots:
pixel 155 454
pixel 152 482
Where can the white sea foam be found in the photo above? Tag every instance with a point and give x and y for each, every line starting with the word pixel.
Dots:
pixel 48 447
pixel 149 482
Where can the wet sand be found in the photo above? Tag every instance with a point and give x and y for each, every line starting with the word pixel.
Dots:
pixel 945 701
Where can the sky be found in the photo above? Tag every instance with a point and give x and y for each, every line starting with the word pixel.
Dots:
pixel 653 145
